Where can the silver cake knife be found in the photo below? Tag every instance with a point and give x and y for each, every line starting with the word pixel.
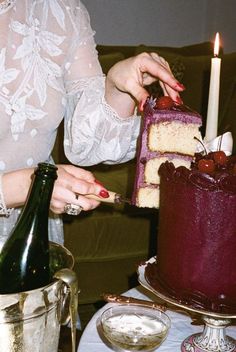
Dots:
pixel 113 298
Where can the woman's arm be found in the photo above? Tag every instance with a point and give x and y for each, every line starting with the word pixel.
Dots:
pixel 100 123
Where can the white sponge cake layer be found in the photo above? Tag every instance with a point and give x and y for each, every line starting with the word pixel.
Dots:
pixel 152 166
pixel 173 137
pixel 148 197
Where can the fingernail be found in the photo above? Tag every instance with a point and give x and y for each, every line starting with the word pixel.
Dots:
pixel 140 106
pixel 104 194
pixel 181 86
pixel 179 100
pixel 98 182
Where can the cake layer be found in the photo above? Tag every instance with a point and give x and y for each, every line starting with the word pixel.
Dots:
pixel 148 197
pixel 148 179
pixel 173 137
pixel 151 174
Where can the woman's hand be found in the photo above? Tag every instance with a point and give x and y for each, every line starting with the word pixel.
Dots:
pixel 126 80
pixel 71 187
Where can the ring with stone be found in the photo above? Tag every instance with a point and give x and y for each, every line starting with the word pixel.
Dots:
pixel 72 209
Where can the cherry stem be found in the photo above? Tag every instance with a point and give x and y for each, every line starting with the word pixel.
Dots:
pixel 201 144
pixel 220 142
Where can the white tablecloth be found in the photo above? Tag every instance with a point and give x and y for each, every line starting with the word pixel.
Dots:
pixel 181 328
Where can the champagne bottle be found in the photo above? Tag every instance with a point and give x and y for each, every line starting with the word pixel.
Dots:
pixel 24 259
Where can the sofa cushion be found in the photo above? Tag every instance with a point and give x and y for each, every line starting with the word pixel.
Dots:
pixel 126 50
pixel 108 60
pixel 196 80
pixel 108 242
pixel 177 67
pixel 205 48
pixel 227 115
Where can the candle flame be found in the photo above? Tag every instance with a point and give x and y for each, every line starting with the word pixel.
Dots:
pixel 217 44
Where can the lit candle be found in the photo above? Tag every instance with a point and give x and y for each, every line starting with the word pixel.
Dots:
pixel 213 99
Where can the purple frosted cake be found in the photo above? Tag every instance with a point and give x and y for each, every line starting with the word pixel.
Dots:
pixel 168 134
pixel 196 252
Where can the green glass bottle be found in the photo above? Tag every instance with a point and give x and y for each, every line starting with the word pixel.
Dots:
pixel 24 258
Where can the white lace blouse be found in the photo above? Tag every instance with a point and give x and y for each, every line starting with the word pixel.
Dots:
pixel 49 70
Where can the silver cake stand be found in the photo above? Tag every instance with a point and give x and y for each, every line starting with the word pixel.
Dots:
pixel 213 338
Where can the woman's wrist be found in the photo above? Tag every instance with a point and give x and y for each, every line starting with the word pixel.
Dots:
pixel 123 103
pixel 3 208
pixel 15 187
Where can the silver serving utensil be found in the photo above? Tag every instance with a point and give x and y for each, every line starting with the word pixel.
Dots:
pixel 113 298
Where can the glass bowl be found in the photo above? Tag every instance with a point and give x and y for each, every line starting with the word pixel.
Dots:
pixel 134 327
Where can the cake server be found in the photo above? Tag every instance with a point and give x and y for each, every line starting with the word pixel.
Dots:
pixel 113 298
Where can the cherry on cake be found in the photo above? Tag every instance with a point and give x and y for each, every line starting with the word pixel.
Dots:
pixel 169 133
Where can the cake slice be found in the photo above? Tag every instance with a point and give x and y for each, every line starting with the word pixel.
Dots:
pixel 168 133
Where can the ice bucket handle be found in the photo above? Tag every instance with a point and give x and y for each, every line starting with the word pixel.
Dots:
pixel 69 277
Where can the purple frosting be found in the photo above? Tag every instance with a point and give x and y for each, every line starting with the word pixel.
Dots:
pixel 221 180
pixel 179 113
pixel 196 261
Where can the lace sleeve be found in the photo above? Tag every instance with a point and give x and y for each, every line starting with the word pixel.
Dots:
pixel 94 132
pixel 3 209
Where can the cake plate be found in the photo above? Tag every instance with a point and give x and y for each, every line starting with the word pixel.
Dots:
pixel 213 338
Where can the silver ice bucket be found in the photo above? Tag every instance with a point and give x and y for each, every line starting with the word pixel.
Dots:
pixel 30 321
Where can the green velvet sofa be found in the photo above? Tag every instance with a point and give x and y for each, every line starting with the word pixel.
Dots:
pixel 110 241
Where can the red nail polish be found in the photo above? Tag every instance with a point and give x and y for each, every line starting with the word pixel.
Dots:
pixel 98 182
pixel 140 106
pixel 179 101
pixel 104 194
pixel 181 86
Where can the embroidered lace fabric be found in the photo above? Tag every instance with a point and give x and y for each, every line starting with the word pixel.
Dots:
pixel 3 209
pixel 49 69
pixel 5 5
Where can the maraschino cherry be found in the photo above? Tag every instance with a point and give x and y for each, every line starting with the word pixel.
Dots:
pixel 211 161
pixel 164 103
pixel 220 157
pixel 206 165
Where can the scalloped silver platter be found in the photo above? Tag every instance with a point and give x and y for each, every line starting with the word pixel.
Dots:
pixel 142 280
